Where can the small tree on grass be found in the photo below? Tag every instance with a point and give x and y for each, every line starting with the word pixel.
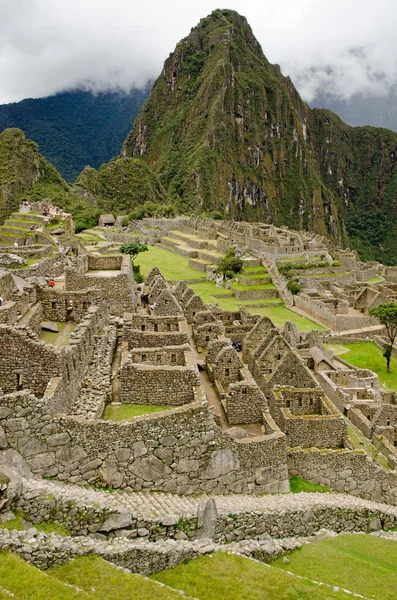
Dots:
pixel 387 316
pixel 230 264
pixel 133 249
pixel 294 287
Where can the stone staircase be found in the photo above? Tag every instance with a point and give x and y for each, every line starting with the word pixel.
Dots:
pixel 155 505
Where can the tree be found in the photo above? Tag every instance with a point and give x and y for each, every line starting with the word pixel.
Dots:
pixel 294 287
pixel 387 316
pixel 230 264
pixel 133 249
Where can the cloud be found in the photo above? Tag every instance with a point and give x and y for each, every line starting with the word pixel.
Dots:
pixel 46 46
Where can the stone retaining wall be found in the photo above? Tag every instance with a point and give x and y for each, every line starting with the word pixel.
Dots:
pixel 344 471
pixel 154 384
pixel 181 450
pixel 45 267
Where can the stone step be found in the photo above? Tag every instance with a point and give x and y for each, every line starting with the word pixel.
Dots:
pixel 153 505
pixel 179 250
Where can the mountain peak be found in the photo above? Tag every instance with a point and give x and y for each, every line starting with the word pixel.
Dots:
pixel 226 131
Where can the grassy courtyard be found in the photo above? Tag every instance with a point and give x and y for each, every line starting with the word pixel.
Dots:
pixel 360 563
pixel 367 355
pixel 173 266
pixel 122 412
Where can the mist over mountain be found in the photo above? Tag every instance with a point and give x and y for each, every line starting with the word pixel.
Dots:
pixel 362 109
pixel 77 128
pixel 224 129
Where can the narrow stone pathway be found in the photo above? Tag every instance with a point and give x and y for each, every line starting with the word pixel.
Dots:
pixel 115 373
pixel 156 504
pixel 24 320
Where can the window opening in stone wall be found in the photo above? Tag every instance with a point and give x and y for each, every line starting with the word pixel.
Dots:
pixel 173 358
pixel 227 372
pixel 53 304
pixel 388 422
pixel 311 402
pixel 85 305
pixel 369 417
pixel 395 443
pixel 168 326
pixel 207 338
pixel 278 357
pixel 143 357
pixel 158 357
pixel 143 327
pixel 288 403
pixel 19 381
pixel 155 327
pixel 299 402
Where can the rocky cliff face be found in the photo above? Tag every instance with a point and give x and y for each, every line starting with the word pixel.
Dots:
pixel 225 130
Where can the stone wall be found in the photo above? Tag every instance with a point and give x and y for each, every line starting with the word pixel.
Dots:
pixel 153 384
pixel 181 450
pixel 60 305
pixel 142 331
pixel 118 291
pixel 169 355
pixel 335 322
pixel 27 363
pixel 351 472
pixel 105 263
pixel 45 267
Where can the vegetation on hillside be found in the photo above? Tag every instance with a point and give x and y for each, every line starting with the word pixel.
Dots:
pixel 122 186
pixel 75 129
pixel 226 131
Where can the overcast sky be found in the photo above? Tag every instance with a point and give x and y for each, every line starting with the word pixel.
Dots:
pixel 47 46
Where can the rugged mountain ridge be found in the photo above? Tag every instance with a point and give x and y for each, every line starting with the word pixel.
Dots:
pixel 120 185
pixel 225 130
pixel 21 168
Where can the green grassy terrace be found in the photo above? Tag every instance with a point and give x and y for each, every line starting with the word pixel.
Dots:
pixel 227 576
pixel 360 563
pixel 367 355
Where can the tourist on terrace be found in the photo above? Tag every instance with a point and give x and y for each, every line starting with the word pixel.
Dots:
pixel 51 283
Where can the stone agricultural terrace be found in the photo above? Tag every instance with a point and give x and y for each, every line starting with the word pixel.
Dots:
pixel 160 431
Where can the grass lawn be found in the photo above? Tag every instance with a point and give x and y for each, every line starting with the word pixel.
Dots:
pixel 360 563
pixel 45 527
pixel 103 580
pixel 360 442
pixel 13 523
pixel 62 337
pixel 121 412
pixel 89 237
pixel 280 314
pixel 52 528
pixel 264 286
pixel 298 484
pixel 173 266
pixel 226 576
pixel 375 279
pixel 28 583
pixel 367 355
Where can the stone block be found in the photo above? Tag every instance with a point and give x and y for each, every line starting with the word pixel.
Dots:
pixel 221 462
pixel 116 521
pixel 150 469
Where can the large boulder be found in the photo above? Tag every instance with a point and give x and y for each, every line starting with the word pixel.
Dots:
pixel 49 326
pixel 10 486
